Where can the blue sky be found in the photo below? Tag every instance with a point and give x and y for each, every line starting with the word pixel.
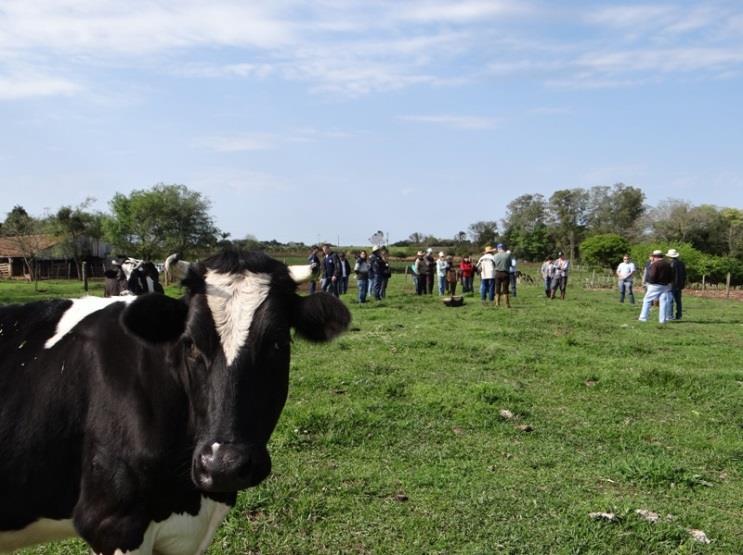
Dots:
pixel 322 120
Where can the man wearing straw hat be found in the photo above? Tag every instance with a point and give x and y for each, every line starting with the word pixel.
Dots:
pixel 486 266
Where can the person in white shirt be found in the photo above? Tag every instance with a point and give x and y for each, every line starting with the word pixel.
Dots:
pixel 548 272
pixel 560 276
pixel 486 267
pixel 625 272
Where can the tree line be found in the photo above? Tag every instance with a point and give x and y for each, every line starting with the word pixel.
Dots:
pixel 599 224
pixel 595 225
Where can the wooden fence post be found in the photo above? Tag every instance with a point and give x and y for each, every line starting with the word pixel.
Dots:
pixel 704 285
pixel 85 276
pixel 727 286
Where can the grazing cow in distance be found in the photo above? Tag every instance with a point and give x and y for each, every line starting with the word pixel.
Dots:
pixel 133 422
pixel 132 277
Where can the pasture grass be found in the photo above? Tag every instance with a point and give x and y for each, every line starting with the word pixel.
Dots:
pixel 392 439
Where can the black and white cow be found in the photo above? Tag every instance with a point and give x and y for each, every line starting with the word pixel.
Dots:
pixel 133 422
pixel 131 277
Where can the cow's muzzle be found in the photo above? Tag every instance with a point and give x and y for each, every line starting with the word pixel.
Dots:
pixel 227 467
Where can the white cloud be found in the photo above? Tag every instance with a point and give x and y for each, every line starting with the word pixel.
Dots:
pixel 244 70
pixel 462 11
pixel 238 143
pixel 458 122
pixel 29 85
pixel 137 26
pixel 665 60
pixel 251 142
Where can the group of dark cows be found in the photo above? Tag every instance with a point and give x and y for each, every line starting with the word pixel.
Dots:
pixel 131 277
pixel 134 421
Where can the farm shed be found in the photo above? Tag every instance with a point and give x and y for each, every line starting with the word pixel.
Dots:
pixel 50 260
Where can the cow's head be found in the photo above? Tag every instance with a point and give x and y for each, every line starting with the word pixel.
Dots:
pixel 231 342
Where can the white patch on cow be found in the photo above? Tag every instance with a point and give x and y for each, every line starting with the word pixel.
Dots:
pixel 40 531
pixel 80 309
pixel 233 300
pixel 184 534
pixel 150 284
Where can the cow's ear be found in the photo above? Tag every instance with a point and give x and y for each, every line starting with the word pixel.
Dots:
pixel 155 318
pixel 320 317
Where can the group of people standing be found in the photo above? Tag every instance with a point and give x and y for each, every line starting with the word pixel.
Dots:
pixel 497 269
pixel 663 277
pixel 372 272
pixel 426 269
pixel 555 275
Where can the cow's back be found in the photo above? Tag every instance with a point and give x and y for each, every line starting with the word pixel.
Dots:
pixel 42 404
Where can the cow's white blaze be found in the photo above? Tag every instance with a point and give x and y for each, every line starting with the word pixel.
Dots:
pixel 233 300
pixel 42 530
pixel 80 309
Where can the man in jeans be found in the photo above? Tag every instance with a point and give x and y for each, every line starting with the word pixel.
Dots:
pixel 502 263
pixel 659 278
pixel 486 266
pixel 625 272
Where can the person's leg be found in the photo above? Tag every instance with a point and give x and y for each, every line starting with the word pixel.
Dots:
pixel 630 292
pixel 677 299
pixel 483 289
pixel 363 287
pixel 664 308
pixel 512 280
pixel 563 286
pixel 621 290
pixel 651 293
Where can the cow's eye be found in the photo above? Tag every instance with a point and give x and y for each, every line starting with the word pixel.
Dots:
pixel 190 348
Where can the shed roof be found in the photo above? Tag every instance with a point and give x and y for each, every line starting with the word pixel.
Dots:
pixel 12 246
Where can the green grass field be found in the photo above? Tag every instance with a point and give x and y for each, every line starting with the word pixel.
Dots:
pixel 392 440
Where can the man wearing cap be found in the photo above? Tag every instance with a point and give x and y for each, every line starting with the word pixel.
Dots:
pixel 486 267
pixel 659 278
pixel 625 272
pixel 419 267
pixel 679 282
pixel 502 262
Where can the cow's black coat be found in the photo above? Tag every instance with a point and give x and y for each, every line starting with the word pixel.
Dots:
pixel 107 426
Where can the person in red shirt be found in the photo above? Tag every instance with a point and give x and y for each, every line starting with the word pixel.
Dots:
pixel 467 272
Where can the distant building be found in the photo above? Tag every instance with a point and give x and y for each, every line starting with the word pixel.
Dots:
pixel 50 259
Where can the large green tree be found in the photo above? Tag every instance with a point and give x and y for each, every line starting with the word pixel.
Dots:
pixel 483 232
pixel 79 229
pixel 567 214
pixel 159 221
pixel 615 210
pixel 604 250
pixel 28 235
pixel 525 225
